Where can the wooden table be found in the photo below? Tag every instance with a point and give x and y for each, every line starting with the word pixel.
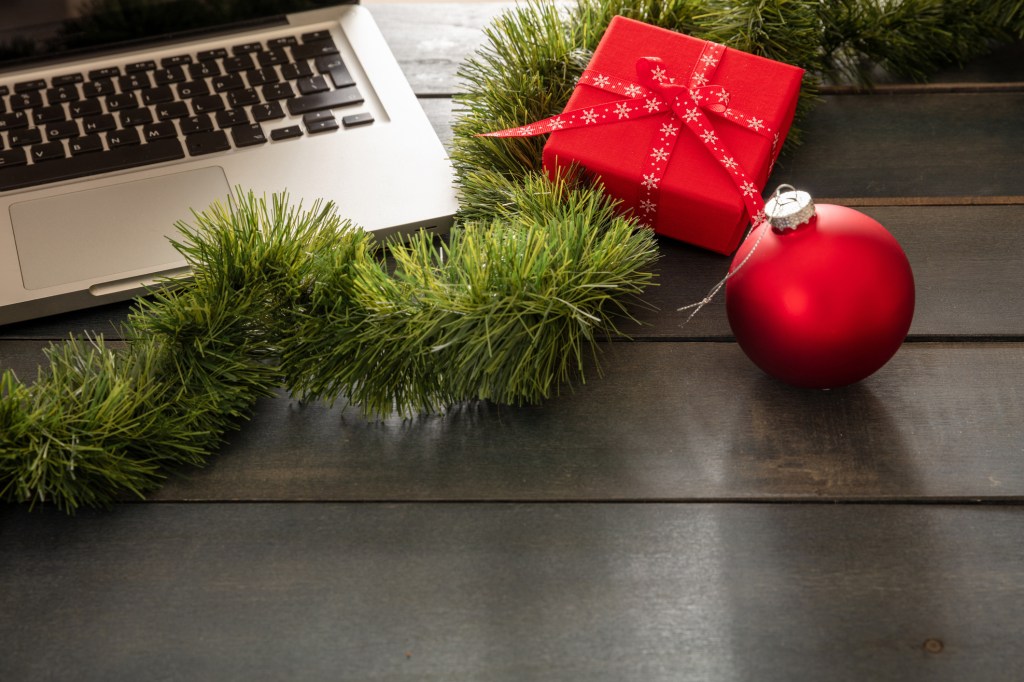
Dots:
pixel 682 518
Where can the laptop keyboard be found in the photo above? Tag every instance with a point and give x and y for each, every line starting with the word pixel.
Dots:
pixel 131 115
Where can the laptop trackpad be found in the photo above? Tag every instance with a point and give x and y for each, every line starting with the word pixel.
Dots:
pixel 112 230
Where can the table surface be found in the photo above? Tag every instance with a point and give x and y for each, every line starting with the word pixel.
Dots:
pixel 682 517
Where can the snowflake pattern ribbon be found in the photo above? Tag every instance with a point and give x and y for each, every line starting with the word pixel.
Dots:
pixel 687 105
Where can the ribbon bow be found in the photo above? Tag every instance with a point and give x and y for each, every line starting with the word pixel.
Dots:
pixel 657 92
pixel 652 75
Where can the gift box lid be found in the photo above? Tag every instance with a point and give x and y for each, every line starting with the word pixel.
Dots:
pixel 758 87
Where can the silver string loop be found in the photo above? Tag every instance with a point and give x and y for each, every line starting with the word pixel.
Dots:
pixel 764 224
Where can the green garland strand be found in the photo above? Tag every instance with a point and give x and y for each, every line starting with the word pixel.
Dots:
pixel 507 309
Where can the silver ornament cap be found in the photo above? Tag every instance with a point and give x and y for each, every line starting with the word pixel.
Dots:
pixel 789 208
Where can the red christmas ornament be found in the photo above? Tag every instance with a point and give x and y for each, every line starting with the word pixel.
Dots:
pixel 820 296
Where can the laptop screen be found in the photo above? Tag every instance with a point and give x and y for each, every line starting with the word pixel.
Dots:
pixel 32 30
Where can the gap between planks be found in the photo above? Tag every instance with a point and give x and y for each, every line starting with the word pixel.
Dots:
pixel 1008 200
pixel 922 88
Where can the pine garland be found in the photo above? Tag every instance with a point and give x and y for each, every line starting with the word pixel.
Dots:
pixel 507 309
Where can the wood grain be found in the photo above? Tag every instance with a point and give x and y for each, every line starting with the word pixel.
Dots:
pixel 966 260
pixel 513 592
pixel 667 421
pixel 431 40
pixel 910 145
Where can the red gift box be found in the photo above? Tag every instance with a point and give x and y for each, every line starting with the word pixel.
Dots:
pixel 730 112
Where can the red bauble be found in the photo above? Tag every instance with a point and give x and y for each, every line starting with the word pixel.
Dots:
pixel 824 304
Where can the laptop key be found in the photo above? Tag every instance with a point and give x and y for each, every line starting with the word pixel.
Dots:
pixel 26 86
pixel 134 81
pixel 159 131
pixel 85 107
pixel 316 36
pixel 158 95
pixel 262 76
pixel 12 157
pixel 193 89
pixel 231 118
pixel 172 74
pixel 207 143
pixel 276 91
pixel 307 86
pixel 26 100
pixel 98 88
pixel 206 103
pixel 317 116
pixel 148 65
pixel 176 60
pixel 246 48
pixel 61 94
pixel 242 62
pixel 15 119
pixel 48 114
pixel 86 144
pixel 171 110
pixel 207 69
pixel 66 79
pixel 322 126
pixel 99 124
pixel 341 77
pixel 136 117
pixel 327 62
pixel 286 133
pixel 248 135
pixel 127 100
pixel 311 50
pixel 272 57
pixel 68 168
pixel 61 130
pixel 267 112
pixel 196 124
pixel 207 55
pixel 104 73
pixel 296 70
pixel 21 138
pixel 226 83
pixel 123 138
pixel 47 151
pixel 357 119
pixel 242 98
pixel 324 100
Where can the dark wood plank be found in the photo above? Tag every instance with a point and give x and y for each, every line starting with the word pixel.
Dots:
pixel 439 112
pixel 106 320
pixel 923 145
pixel 431 40
pixel 1005 64
pixel 667 421
pixel 513 592
pixel 966 260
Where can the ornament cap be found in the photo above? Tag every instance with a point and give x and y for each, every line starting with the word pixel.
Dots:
pixel 789 208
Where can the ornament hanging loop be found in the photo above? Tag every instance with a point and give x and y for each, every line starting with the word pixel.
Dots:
pixel 784 205
pixel 789 208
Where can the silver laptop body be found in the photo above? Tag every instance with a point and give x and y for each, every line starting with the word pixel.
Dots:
pixel 86 241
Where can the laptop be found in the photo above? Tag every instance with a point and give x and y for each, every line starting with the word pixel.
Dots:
pixel 118 117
